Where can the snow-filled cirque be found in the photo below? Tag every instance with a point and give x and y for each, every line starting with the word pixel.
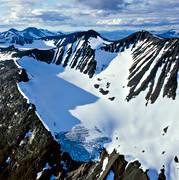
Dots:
pixel 108 109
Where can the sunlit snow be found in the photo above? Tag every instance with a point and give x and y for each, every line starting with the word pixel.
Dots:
pixel 65 98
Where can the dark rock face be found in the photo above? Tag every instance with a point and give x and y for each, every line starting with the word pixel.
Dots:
pixel 176 159
pixel 96 86
pixel 116 163
pixel 23 76
pixel 166 65
pixel 25 145
pixel 41 55
pixel 101 90
pixel 111 98
pixel 133 172
pixel 162 175
pixel 8 49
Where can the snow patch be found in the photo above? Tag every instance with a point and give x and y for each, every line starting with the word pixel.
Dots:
pixel 105 162
pixel 8 160
pixel 96 43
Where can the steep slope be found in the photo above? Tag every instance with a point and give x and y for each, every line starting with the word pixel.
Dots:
pixel 155 62
pixel 96 86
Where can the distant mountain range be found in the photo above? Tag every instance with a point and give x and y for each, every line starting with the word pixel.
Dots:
pixel 115 35
pixel 173 33
pixel 28 35
pixel 25 36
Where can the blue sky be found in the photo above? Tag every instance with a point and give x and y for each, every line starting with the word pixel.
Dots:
pixel 72 15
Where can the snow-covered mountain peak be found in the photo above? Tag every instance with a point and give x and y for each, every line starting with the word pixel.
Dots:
pixel 13 30
pixel 26 36
pixel 35 33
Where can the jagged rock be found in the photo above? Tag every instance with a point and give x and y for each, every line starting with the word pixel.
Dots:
pixel 41 55
pixel 107 84
pixel 111 98
pixel 115 162
pixel 96 86
pixel 119 167
pixel 176 159
pixel 101 90
pixel 133 172
pixel 23 76
pixel 162 175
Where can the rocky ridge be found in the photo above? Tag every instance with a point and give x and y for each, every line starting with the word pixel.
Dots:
pixel 155 61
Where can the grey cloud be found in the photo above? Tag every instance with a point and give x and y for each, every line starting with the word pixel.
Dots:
pixel 16 3
pixel 51 16
pixel 104 4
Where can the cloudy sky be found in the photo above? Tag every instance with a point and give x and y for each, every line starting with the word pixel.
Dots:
pixel 72 15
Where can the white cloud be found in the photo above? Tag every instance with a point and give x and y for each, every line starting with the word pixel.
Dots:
pixel 116 21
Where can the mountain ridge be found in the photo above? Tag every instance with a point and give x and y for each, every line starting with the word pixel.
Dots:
pixel 25 36
pixel 112 46
pixel 123 74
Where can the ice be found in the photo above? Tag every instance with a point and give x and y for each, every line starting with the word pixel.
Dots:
pixel 152 174
pixel 21 91
pixel 110 176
